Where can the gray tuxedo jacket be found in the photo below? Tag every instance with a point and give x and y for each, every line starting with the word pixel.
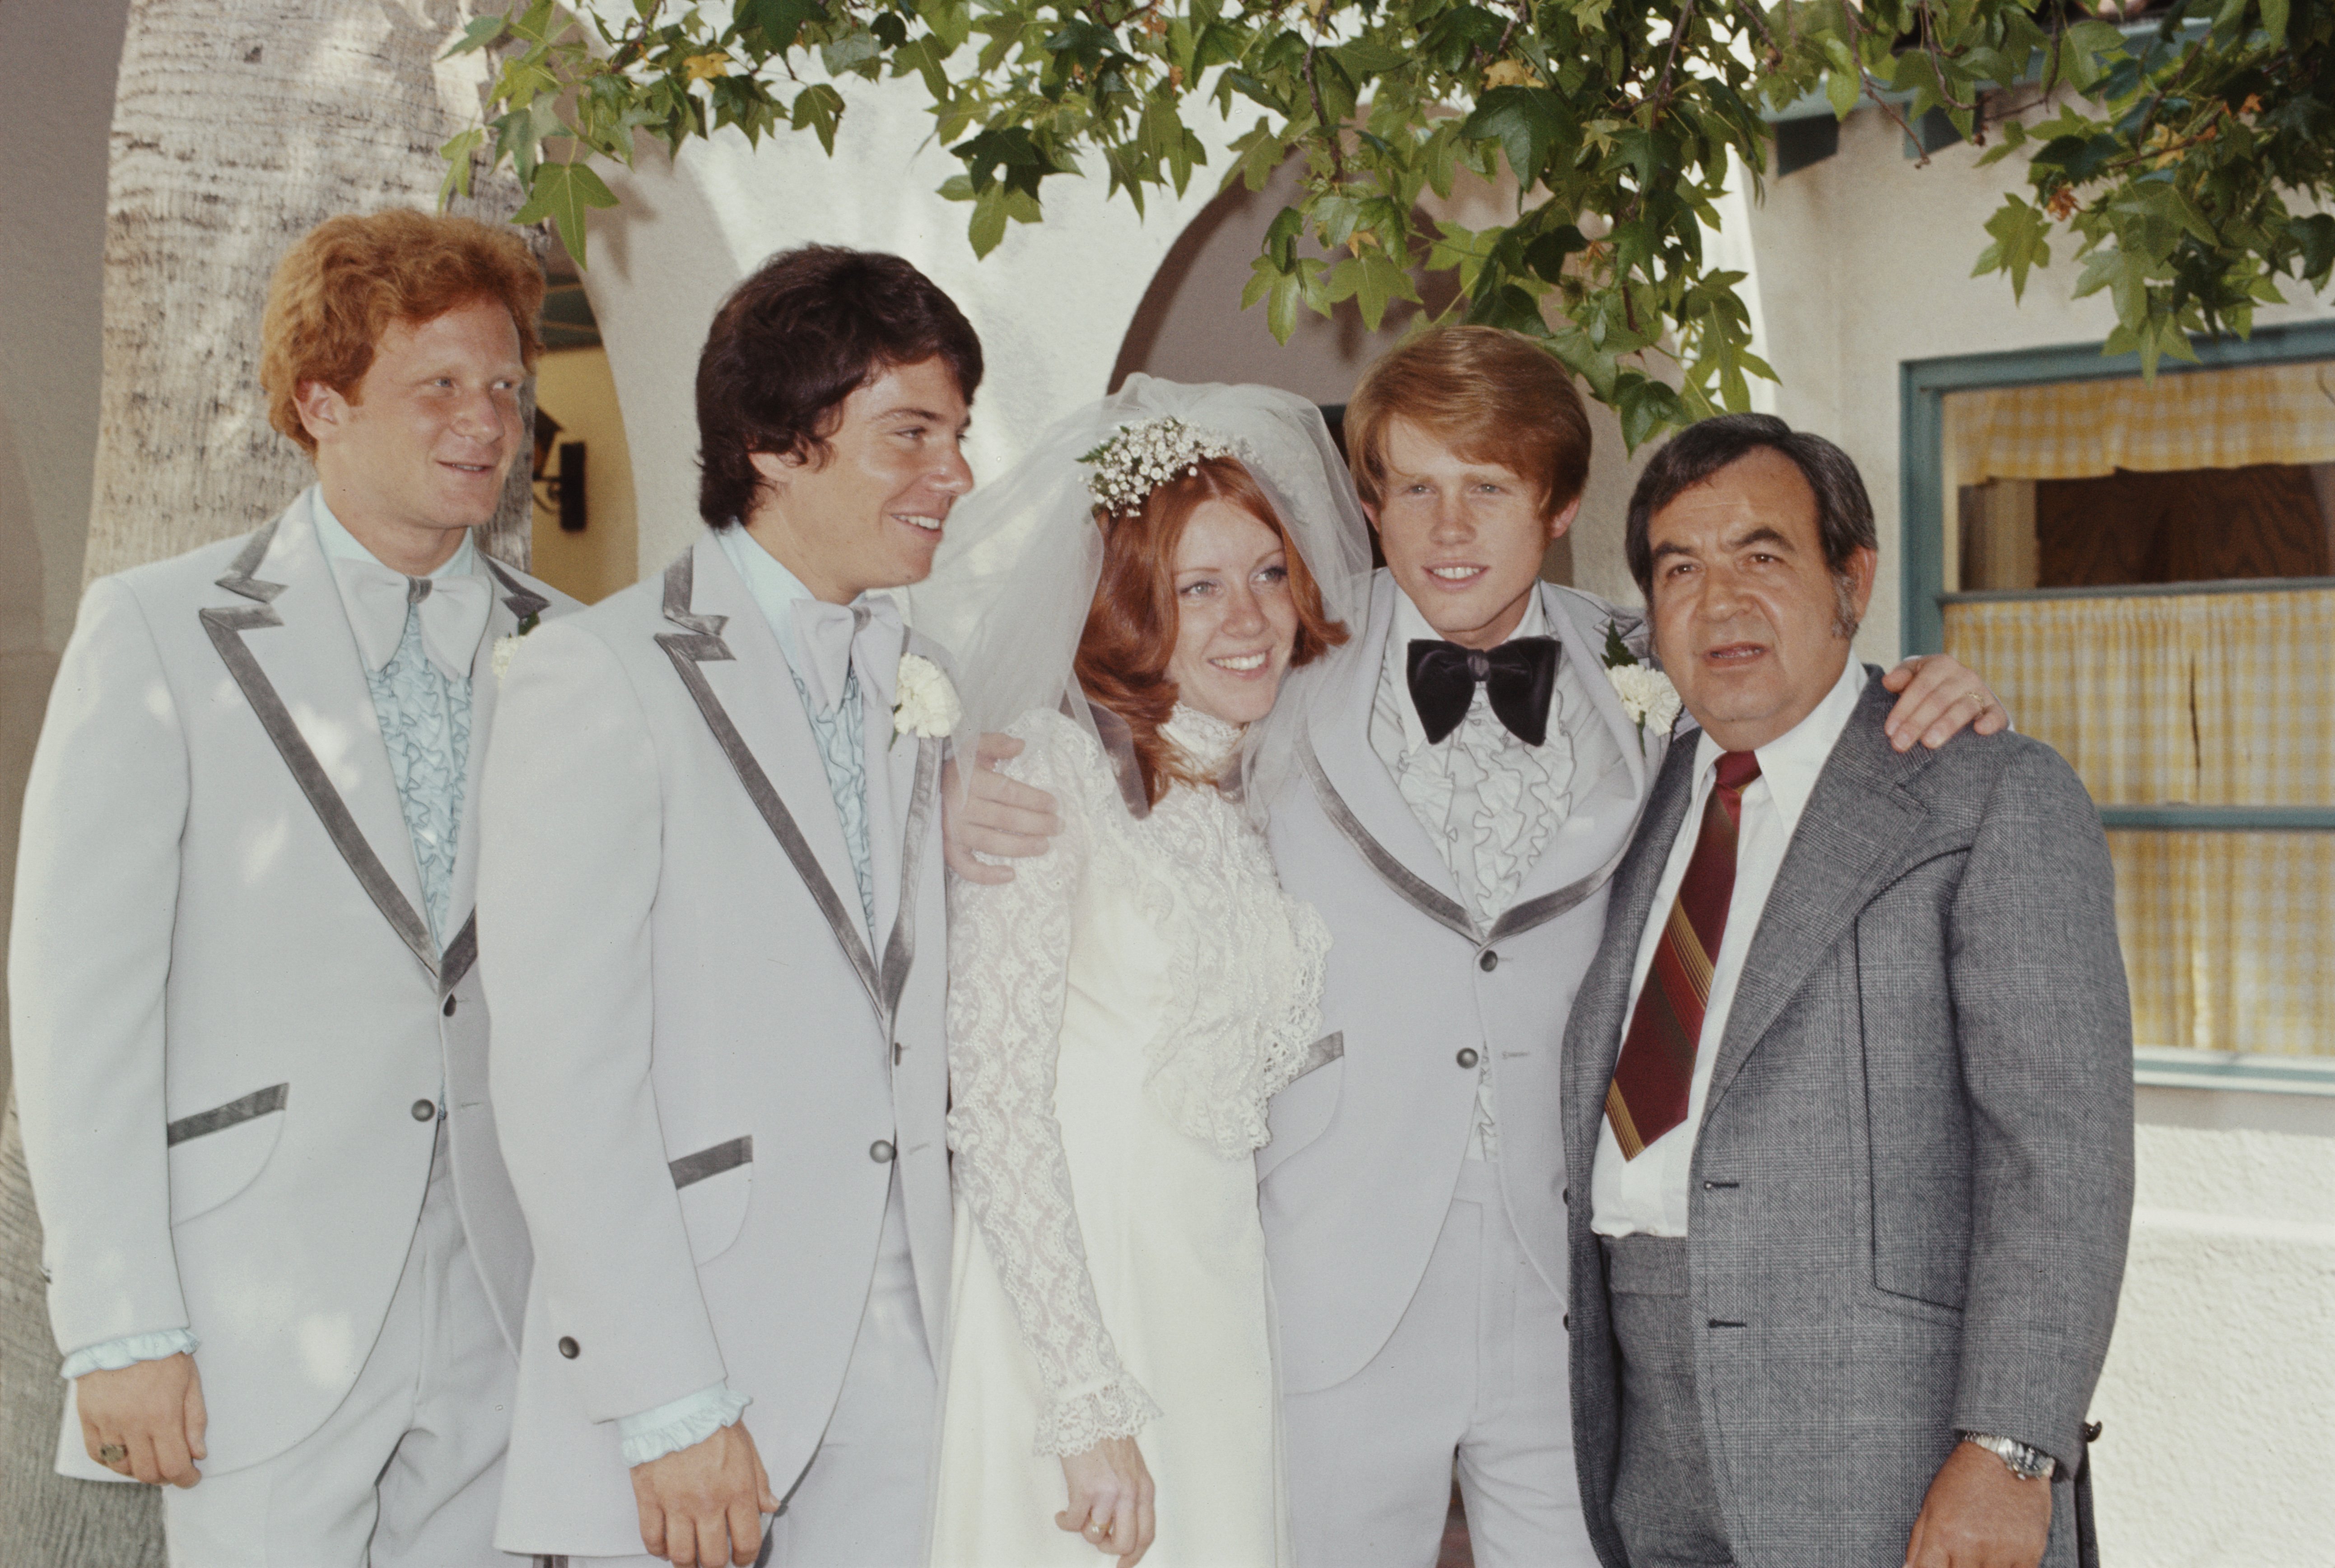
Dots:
pixel 710 1074
pixel 231 1026
pixel 1914 1179
pixel 1367 1146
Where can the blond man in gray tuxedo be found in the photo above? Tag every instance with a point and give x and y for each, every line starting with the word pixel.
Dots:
pixel 286 1264
pixel 713 921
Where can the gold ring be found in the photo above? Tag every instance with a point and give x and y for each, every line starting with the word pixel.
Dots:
pixel 112 1453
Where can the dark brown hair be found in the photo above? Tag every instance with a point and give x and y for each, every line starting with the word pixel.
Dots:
pixel 1493 396
pixel 1130 631
pixel 1844 511
pixel 812 327
pixel 338 289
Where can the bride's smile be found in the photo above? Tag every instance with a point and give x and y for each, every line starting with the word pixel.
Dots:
pixel 1235 620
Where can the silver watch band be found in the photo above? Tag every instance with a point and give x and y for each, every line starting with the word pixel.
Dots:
pixel 2028 1463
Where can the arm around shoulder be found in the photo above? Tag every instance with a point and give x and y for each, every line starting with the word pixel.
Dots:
pixel 2043 1027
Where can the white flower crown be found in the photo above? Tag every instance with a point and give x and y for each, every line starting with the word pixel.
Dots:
pixel 1140 458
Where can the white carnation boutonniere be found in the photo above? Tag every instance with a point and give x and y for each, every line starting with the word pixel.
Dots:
pixel 507 648
pixel 927 706
pixel 1646 693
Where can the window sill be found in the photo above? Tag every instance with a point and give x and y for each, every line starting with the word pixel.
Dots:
pixel 2182 1067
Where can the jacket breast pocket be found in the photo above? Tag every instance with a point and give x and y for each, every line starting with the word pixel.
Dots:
pixel 715 1184
pixel 214 1154
pixel 1303 1111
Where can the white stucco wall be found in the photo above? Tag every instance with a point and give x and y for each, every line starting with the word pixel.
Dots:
pixel 2218 1399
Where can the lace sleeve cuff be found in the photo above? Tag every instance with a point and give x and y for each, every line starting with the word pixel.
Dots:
pixel 113 1355
pixel 1076 1421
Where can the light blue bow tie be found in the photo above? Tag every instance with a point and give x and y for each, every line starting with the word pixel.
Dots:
pixel 453 614
pixel 832 638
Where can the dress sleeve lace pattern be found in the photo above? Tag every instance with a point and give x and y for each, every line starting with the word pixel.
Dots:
pixel 1009 965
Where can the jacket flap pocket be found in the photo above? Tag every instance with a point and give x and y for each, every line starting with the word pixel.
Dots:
pixel 214 1154
pixel 1303 1111
pixel 715 1184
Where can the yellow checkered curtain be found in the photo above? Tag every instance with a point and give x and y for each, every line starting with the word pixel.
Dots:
pixel 2205 699
pixel 2204 418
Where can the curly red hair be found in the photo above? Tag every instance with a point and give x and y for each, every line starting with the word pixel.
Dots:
pixel 1130 631
pixel 338 289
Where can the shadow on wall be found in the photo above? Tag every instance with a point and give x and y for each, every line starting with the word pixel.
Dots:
pixel 1190 327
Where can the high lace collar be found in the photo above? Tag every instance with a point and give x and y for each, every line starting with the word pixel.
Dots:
pixel 1207 741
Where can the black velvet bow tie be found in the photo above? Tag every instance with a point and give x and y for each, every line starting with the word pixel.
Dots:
pixel 1518 676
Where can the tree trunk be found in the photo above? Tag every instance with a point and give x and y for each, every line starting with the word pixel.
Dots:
pixel 238 125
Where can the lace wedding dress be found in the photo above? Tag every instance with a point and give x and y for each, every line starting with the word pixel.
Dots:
pixel 1118 1015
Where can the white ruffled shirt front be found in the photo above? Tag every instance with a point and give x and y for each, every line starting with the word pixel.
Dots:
pixel 1490 802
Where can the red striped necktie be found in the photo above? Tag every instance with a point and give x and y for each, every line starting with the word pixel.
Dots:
pixel 1656 1072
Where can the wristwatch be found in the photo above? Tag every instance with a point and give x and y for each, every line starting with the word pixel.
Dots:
pixel 2026 1464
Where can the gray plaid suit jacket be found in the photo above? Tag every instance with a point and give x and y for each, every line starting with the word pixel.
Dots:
pixel 1913 1183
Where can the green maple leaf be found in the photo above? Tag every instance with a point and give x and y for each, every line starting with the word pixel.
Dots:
pixel 563 192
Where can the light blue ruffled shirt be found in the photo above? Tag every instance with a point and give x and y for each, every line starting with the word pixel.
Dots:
pixel 842 747
pixel 425 722
pixel 691 1419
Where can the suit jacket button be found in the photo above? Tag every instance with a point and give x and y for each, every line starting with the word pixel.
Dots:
pixel 1489 962
pixel 425 1110
pixel 1565 1196
pixel 880 1151
pixel 449 1009
pixel 569 1348
pixel 1569 1319
pixel 1466 1056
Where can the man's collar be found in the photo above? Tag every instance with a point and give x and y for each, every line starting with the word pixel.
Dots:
pixel 775 588
pixel 1411 625
pixel 1792 761
pixel 333 536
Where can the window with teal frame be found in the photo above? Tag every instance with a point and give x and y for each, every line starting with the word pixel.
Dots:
pixel 2180 652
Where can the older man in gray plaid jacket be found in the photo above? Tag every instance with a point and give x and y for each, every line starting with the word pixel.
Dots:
pixel 1848 1089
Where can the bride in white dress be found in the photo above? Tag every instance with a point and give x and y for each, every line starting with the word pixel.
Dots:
pixel 1121 1011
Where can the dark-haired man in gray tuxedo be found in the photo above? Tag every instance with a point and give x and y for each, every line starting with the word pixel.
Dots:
pixel 1848 1088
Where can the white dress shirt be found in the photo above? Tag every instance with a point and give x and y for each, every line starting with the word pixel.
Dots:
pixel 1648 1196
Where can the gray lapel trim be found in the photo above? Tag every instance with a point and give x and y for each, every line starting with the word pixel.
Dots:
pixel 226 629
pixel 701 643
pixel 1435 905
pixel 220 1118
pixel 518 598
pixel 1519 919
pixel 693 1168
pixel 1321 1053
pixel 460 954
pixel 900 952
